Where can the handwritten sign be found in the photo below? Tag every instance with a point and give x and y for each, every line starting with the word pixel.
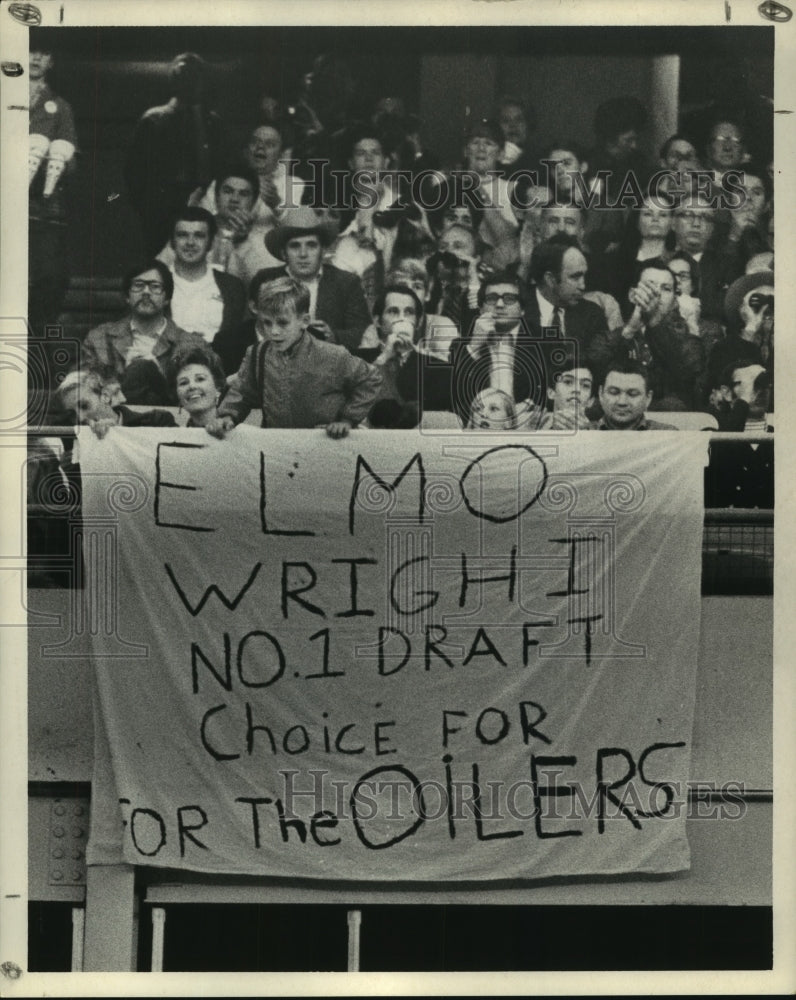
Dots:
pixel 394 657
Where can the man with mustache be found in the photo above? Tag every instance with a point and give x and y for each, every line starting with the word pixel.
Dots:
pixel 145 333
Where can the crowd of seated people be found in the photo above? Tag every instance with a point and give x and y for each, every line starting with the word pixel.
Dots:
pixel 339 259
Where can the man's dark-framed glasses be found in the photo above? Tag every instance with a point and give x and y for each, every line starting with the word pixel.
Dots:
pixel 508 298
pixel 139 285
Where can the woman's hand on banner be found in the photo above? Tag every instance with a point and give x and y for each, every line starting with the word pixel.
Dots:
pixel 219 427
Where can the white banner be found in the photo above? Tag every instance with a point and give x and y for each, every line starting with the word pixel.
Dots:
pixel 393 657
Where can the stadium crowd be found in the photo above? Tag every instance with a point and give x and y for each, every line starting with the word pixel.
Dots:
pixel 333 272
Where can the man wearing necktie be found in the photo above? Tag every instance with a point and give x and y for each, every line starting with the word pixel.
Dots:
pixel 500 354
pixel 556 308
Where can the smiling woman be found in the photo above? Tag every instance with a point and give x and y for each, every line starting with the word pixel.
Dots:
pixel 197 381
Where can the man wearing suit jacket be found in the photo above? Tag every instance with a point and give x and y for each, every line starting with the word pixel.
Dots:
pixel 556 307
pixel 719 259
pixel 337 303
pixel 501 353
pixel 206 301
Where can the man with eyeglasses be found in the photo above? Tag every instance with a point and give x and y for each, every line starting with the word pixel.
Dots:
pixel 725 148
pixel 499 353
pixel 145 332
pixel 719 261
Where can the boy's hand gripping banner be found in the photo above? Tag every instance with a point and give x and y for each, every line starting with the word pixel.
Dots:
pixel 393 657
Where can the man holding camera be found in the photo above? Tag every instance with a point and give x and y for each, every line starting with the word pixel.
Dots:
pixel 749 309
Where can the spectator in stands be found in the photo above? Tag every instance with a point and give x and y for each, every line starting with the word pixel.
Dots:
pixel 499 226
pixel 679 157
pixel 411 272
pixel 482 147
pixel 725 149
pixel 459 240
pixel 238 247
pixel 463 244
pixel 719 261
pixel 86 398
pixel 618 124
pixel 176 148
pixel 556 302
pixel 749 221
pixel 647 236
pixel 241 236
pixel 570 184
pixel 498 353
pixel 492 410
pixel 625 397
pixel 231 348
pixel 453 289
pixel 51 157
pixel 458 207
pixel 198 381
pixel 686 274
pixel 435 333
pixel 679 154
pixel 749 309
pixel 382 222
pixel 366 242
pixel 399 317
pixel 686 286
pixel 556 217
pixel 741 474
pixel 276 191
pixel 146 331
pixel 279 190
pixel 296 379
pixel 338 309
pixel 741 399
pixel 553 219
pixel 570 394
pixel 657 336
pixel 517 122
pixel 206 301
pixel 566 165
pixel 752 384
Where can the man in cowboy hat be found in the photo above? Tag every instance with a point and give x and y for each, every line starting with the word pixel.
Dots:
pixel 749 309
pixel 338 308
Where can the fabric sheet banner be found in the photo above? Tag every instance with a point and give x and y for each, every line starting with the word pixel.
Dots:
pixel 396 656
